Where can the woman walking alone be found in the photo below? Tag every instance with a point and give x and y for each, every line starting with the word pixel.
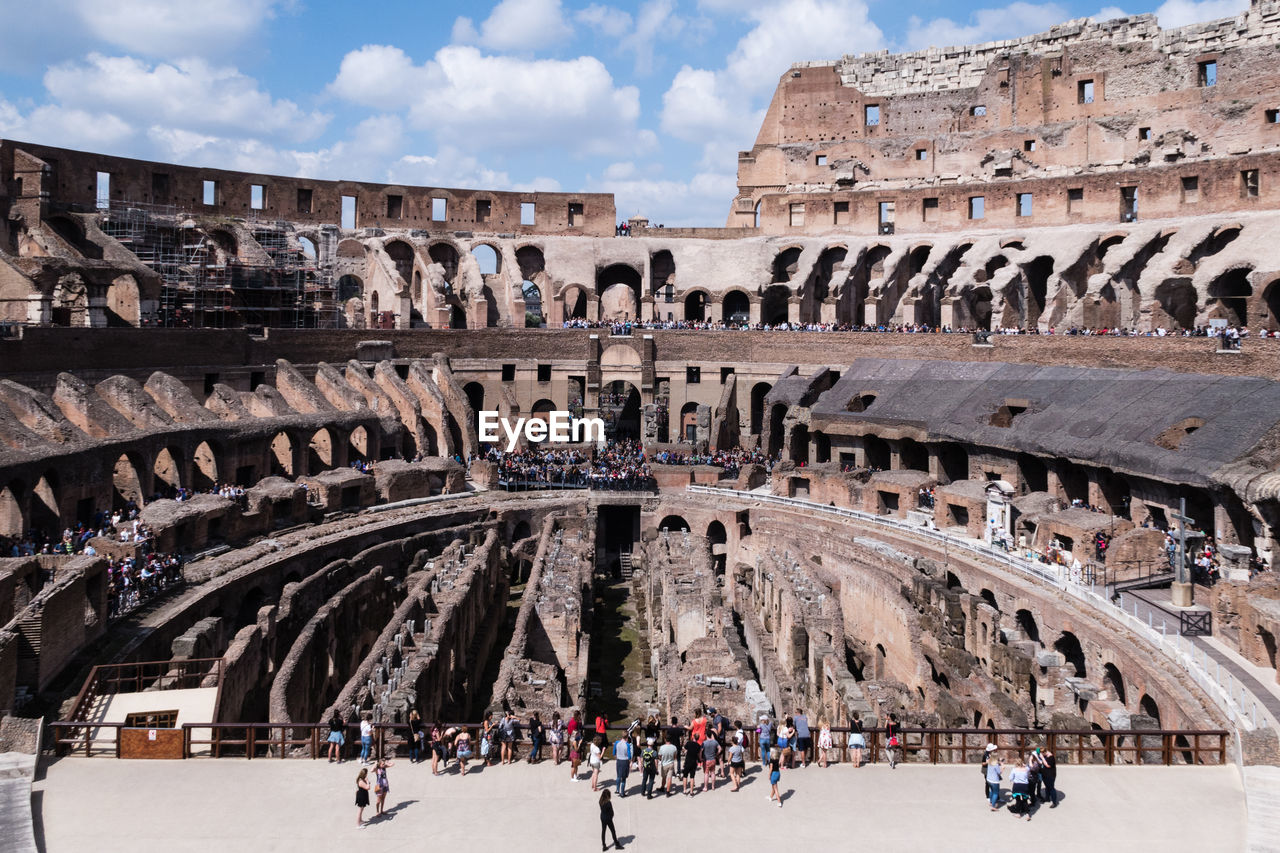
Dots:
pixel 775 774
pixel 606 821
pixel 362 795
pixel 595 759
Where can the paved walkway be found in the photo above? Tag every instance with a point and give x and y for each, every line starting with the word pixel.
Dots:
pixel 107 805
pixel 16 772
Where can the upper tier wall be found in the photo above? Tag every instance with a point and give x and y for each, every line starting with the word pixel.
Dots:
pixel 40 174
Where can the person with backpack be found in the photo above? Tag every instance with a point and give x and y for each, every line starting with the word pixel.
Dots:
pixel 648 769
pixel 893 743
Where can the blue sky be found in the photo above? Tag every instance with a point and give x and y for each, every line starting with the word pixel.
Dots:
pixel 648 100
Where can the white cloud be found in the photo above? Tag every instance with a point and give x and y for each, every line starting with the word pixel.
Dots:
pixel 1179 13
pixel 498 102
pixel 1108 13
pixel 610 21
pixel 188 95
pixel 517 25
pixel 1012 21
pixel 704 198
pixel 51 124
pixel 172 28
pixel 697 106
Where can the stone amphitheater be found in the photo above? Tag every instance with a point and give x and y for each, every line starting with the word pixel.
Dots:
pixel 267 390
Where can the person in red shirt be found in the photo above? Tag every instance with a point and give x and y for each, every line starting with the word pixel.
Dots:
pixel 602 724
pixel 698 728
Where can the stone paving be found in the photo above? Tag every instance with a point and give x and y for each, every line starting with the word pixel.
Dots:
pixel 302 805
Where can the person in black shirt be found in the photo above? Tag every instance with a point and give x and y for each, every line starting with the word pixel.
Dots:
pixel 675 732
pixel 606 821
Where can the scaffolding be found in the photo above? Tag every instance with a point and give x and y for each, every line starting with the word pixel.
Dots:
pixel 206 285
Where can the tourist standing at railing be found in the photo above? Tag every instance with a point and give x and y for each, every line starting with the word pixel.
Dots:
pixel 710 757
pixel 336 738
pixel 536 733
pixel 692 755
pixel 606 821
pixel 366 737
pixel 893 743
pixel 668 755
pixel 993 779
pixel 987 756
pixel 462 746
pixel 648 768
pixel 764 736
pixel 1048 774
pixel 595 759
pixel 824 741
pixel 438 749
pixel 555 736
pixel 362 795
pixel 623 753
pixel 856 740
pixel 575 752
pixel 804 738
pixel 415 737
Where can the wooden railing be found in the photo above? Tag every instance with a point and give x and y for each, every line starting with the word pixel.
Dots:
pixel 924 746
pixel 80 732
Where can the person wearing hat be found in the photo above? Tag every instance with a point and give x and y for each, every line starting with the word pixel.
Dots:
pixel 988 755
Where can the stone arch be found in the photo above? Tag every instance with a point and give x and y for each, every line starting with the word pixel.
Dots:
pixel 534 314
pixel 204 470
pixel 878 453
pixel 225 244
pixel 44 513
pixel 821 281
pixel 1177 299
pixel 620 406
pixel 1148 706
pixel 718 537
pixel 531 261
pixel 12 520
pixel 487 258
pixel 618 286
pixel 777 416
pixel 1229 295
pixel 673 523
pixel 688 422
pixel 1271 304
pixel 124 307
pixel 1114 681
pixel 758 392
pixel 774 305
pixel 320 451
pixel 1212 244
pixel 735 308
pixel 799 449
pixel 1068 645
pixel 542 409
pixel 575 302
pixel 662 274
pixel 446 255
pixel 358 444
pixel 785 264
pixel 282 455
pixel 350 287
pixel 127 485
pixel 307 246
pixel 351 249
pixel 695 306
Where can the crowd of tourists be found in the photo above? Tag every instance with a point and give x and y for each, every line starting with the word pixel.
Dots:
pixel 1230 335
pixel 132 581
pixel 731 460
pixel 1032 779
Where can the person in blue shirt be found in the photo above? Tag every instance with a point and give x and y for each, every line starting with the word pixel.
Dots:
pixel 622 752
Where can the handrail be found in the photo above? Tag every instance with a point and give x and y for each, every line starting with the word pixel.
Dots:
pixel 924 745
pixel 1233 698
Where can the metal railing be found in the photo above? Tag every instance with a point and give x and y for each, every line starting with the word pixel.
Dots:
pixel 1235 700
pixel 923 746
